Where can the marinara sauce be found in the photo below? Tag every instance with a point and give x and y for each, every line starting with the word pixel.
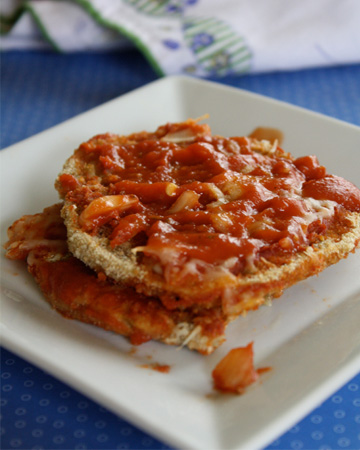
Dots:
pixel 184 197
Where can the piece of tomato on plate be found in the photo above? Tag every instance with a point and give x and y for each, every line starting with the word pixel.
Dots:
pixel 236 370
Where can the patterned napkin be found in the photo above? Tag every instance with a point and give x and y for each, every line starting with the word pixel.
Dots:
pixel 200 37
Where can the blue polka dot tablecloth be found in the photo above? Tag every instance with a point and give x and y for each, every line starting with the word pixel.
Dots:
pixel 40 412
pixel 41 89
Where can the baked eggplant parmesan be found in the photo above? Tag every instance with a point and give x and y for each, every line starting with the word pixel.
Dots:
pixel 170 235
pixel 203 221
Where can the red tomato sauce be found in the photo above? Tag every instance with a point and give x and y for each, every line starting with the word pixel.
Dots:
pixel 209 200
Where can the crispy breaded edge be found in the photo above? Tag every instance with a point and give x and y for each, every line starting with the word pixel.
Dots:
pixel 248 291
pixel 95 251
pixel 184 334
pixel 120 263
pixel 241 293
pixel 256 288
pixel 27 241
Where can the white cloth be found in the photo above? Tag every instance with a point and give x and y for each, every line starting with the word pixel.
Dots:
pixel 201 37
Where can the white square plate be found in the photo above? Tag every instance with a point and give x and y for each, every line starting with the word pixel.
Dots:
pixel 310 336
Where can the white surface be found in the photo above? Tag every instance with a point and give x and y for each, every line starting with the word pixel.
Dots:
pixel 310 336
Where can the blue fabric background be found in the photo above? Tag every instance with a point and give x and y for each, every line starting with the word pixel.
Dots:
pixel 41 89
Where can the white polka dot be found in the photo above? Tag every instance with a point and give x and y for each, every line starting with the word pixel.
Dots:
pixel 41 419
pixel 62 409
pixel 3 402
pixel 20 411
pixel 37 432
pixel 44 402
pixel 339 428
pixel 58 424
pixel 6 375
pixel 357 418
pixel 336 399
pixel 20 424
pixel 25 397
pixel 81 418
pixel 15 443
pixel 122 447
pixel 59 439
pixel 317 435
pixel 294 429
pixel 316 419
pixel 102 437
pixel 126 431
pixel 7 387
pixel 356 402
pixel 353 387
pixel 10 362
pixel 28 383
pixel 339 414
pixel 82 405
pixel 65 394
pixel 79 433
pixel 344 442
pixel 146 442
pixel 80 446
pixel 275 443
pixel 100 424
pixel 296 444
pixel 47 386
pixel 28 370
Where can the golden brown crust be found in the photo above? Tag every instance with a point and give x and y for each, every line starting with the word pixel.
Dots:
pixel 260 233
pixel 233 292
pixel 78 293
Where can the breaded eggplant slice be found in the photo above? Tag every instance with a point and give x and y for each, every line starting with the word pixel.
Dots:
pixel 203 221
pixel 77 292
